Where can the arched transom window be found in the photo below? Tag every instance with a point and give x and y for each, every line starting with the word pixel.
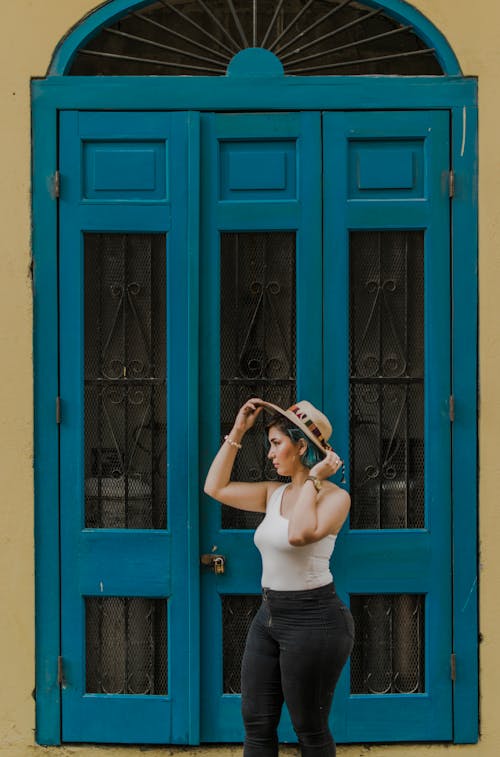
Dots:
pixel 309 37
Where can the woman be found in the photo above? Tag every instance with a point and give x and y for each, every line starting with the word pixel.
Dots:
pixel 302 634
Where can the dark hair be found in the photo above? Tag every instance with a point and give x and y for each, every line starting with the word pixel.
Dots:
pixel 312 455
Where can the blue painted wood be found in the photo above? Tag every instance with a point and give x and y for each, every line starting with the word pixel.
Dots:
pixel 373 215
pixel 220 714
pixel 46 436
pixel 182 409
pixel 120 562
pixel 112 172
pixel 250 171
pixel 386 562
pixel 116 217
pixel 379 167
pixel 116 562
pixel 193 415
pixel 259 93
pixel 108 718
pixel 255 61
pixel 464 429
pixel 283 215
pixel 250 61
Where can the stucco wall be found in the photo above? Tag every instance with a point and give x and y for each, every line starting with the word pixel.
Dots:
pixel 31 30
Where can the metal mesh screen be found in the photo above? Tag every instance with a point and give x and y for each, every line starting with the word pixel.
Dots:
pixel 238 612
pixel 126 645
pixel 125 381
pixel 257 343
pixel 332 37
pixel 387 379
pixel 388 654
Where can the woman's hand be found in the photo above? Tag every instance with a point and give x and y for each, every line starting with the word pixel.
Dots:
pixel 330 464
pixel 246 417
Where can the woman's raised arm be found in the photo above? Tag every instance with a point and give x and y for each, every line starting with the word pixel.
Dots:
pixel 218 484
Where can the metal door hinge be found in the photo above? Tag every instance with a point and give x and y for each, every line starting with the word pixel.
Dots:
pixel 452 408
pixel 56 185
pixel 453 667
pixel 452 183
pixel 60 671
pixel 58 409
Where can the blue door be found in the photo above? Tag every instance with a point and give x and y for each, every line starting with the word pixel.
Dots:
pixel 387 385
pixel 261 331
pixel 206 259
pixel 125 414
pixel 358 322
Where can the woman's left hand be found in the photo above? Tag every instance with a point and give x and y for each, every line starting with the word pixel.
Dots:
pixel 330 464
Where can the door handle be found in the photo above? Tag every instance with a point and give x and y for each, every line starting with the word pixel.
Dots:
pixel 216 562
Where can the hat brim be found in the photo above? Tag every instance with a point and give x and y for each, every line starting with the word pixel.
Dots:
pixel 296 422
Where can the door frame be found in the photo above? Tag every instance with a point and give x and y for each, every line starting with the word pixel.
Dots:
pixel 453 93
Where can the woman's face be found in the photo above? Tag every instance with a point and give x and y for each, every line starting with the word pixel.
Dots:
pixel 283 452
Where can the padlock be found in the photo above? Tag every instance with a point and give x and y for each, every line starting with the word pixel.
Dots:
pixel 216 562
pixel 219 565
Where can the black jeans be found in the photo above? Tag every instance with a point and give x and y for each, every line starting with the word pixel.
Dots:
pixel 297 645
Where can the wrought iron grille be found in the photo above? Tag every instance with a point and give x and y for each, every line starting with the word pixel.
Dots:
pixel 257 343
pixel 387 379
pixel 325 37
pixel 126 645
pixel 388 654
pixel 238 612
pixel 125 381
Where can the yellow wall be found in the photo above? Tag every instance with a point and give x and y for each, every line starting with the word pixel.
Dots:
pixel 31 30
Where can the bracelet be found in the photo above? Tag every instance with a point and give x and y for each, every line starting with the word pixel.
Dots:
pixel 231 442
pixel 316 482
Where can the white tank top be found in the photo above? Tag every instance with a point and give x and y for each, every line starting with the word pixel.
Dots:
pixel 285 567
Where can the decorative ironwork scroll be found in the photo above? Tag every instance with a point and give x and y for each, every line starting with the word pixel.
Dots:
pixel 238 611
pixel 257 342
pixel 126 645
pixel 388 654
pixel 125 381
pixel 387 379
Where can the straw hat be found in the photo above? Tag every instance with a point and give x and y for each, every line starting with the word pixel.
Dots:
pixel 309 419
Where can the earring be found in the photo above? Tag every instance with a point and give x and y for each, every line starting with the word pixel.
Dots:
pixel 342 480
